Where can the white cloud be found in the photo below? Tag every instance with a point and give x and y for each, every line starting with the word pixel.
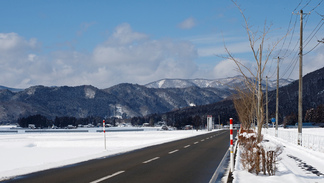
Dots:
pixel 126 56
pixel 311 62
pixel 31 57
pixel 228 68
pixel 12 41
pixel 15 58
pixel 133 57
pixel 225 68
pixel 124 35
pixel 187 24
pixel 11 44
pixel 314 61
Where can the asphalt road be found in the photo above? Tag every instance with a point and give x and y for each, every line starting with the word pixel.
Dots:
pixel 188 160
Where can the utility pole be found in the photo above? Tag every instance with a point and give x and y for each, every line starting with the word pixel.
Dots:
pixel 300 91
pixel 267 118
pixel 277 98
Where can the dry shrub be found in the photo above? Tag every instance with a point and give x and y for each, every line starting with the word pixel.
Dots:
pixel 272 158
pixel 258 157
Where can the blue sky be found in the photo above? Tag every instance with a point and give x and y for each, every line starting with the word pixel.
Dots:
pixel 103 43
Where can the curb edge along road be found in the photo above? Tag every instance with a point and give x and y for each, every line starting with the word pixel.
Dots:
pixel 222 166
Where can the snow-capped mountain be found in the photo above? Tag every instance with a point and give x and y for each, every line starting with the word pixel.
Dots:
pixel 224 83
pixel 313 100
pixel 120 100
pixel 134 100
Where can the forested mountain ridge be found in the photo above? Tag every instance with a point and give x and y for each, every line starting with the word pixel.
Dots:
pixel 313 104
pixel 122 100
pixel 83 101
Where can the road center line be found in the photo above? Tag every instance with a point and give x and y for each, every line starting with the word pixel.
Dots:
pixel 173 151
pixel 186 146
pixel 196 142
pixel 151 160
pixel 203 140
pixel 107 177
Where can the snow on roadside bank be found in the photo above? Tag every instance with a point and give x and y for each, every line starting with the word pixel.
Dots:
pixel 298 165
pixel 30 152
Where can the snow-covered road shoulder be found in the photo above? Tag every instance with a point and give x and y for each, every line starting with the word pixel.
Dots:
pixel 298 165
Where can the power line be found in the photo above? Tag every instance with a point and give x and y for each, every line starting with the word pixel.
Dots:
pixel 286 34
pixel 291 66
pixel 310 37
pixel 307 17
pixel 298 5
pixel 314 33
pixel 315 29
pixel 291 27
pixel 292 35
pixel 316 6
pixel 312 49
pixel 288 29
pixel 270 69
pixel 306 4
pixel 287 53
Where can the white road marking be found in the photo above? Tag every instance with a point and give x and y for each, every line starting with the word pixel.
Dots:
pixel 196 142
pixel 203 140
pixel 107 177
pixel 186 146
pixel 173 151
pixel 151 160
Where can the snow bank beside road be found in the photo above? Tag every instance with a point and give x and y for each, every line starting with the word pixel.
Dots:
pixel 298 164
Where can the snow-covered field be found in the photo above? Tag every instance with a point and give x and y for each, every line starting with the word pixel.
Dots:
pixel 30 152
pixel 298 164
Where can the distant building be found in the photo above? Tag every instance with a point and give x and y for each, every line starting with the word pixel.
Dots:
pixel 31 126
pixel 161 123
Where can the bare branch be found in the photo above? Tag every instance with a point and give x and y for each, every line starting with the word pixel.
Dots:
pixel 254 86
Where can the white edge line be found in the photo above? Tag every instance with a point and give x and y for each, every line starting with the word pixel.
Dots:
pixel 107 177
pixel 220 165
pixel 173 151
pixel 151 160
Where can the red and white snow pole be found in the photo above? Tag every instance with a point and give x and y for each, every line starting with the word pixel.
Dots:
pixel 231 146
pixel 104 131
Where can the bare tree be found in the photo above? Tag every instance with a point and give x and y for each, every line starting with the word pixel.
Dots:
pixel 244 103
pixel 257 41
